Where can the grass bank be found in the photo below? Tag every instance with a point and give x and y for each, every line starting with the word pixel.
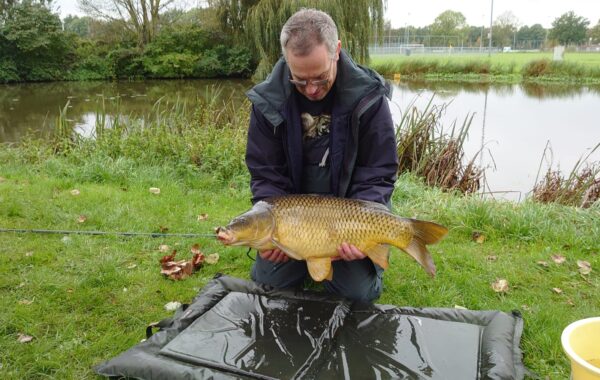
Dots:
pixel 514 67
pixel 85 299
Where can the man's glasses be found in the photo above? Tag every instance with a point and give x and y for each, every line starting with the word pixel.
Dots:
pixel 316 83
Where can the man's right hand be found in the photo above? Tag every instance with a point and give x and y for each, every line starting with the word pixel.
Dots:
pixel 274 255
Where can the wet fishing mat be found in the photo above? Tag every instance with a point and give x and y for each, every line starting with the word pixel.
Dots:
pixel 235 329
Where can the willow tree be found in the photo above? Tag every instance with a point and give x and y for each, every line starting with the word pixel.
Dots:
pixel 139 16
pixel 356 23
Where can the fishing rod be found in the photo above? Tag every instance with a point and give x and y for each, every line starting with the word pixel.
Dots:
pixel 116 233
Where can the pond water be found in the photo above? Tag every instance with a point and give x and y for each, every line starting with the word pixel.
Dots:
pixel 513 125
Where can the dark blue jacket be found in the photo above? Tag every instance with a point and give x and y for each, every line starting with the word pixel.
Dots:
pixel 363 158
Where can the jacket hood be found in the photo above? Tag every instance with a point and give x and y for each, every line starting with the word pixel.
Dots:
pixel 353 83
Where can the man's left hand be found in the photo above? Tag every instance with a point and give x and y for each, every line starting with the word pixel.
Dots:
pixel 348 252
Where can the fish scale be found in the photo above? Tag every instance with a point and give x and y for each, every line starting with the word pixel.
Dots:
pixel 312 227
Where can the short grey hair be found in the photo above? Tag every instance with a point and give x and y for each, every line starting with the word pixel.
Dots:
pixel 306 29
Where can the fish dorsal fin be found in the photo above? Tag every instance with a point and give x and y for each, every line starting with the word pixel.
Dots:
pixel 287 250
pixel 320 268
pixel 379 254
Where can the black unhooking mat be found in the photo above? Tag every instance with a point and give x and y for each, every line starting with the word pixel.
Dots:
pixel 235 329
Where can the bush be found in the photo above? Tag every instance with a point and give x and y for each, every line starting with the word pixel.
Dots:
pixel 126 63
pixel 536 68
pixel 8 71
pixel 171 65
pixel 225 62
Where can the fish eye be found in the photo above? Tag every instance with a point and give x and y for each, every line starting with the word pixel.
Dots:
pixel 239 220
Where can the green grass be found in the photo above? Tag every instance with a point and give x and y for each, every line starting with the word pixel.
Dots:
pixel 85 299
pixel 93 296
pixel 500 67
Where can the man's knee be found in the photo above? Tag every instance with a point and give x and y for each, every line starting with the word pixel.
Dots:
pixel 279 275
pixel 358 280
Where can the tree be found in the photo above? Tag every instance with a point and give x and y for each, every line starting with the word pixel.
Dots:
pixel 33 45
pixel 505 29
pixel 232 15
pixel 356 25
pixel 531 37
pixel 569 29
pixel 449 27
pixel 140 16
pixel 594 33
pixel 77 25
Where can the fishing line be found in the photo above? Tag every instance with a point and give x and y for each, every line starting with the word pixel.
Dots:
pixel 117 233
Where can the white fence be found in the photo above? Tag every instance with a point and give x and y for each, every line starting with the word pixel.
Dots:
pixel 409 49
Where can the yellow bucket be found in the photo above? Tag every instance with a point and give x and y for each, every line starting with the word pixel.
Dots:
pixel 581 342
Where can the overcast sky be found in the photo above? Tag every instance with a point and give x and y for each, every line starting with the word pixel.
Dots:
pixel 477 12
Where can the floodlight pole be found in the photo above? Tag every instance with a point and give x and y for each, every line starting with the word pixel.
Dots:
pixel 491 20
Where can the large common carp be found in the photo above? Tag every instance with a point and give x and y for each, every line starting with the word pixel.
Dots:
pixel 311 227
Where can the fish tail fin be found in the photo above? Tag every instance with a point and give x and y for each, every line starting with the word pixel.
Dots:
pixel 424 233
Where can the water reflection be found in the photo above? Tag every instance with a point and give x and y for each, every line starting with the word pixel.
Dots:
pixel 447 90
pixel 511 125
pixel 34 107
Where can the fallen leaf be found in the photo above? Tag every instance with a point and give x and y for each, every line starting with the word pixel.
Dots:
pixel 525 307
pixel 154 190
pixel 81 219
pixel 172 306
pixel 557 290
pixel 22 338
pixel 202 217
pixel 164 248
pixel 75 192
pixel 131 266
pixel 195 249
pixel 500 286
pixel 558 259
pixel 542 263
pixel 478 237
pixel 584 267
pixel 125 290
pixel 213 258
pixel 570 302
pixel 28 254
pixel 25 302
pixel 178 270
pixel 163 229
pixel 460 307
pixel 168 258
pixel 492 258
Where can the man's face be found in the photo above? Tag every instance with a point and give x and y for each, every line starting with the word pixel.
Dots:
pixel 313 74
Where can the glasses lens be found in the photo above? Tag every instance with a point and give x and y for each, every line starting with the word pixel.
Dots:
pixel 303 83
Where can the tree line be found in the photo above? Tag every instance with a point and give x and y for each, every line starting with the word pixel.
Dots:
pixel 125 39
pixel 450 28
pixel 120 39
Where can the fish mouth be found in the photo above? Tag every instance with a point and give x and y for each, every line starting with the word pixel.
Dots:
pixel 225 236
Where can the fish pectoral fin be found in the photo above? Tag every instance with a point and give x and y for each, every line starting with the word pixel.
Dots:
pixel 287 250
pixel 379 254
pixel 320 268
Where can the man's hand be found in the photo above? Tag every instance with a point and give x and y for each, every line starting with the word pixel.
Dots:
pixel 274 255
pixel 348 252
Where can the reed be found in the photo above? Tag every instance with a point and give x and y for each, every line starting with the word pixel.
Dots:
pixel 433 153
pixel 208 137
pixel 580 187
